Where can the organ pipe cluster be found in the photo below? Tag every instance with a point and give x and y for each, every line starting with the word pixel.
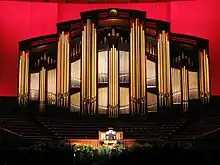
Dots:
pixel 137 68
pixel 204 76
pixel 164 70
pixel 63 70
pixel 23 77
pixel 114 63
pixel 89 65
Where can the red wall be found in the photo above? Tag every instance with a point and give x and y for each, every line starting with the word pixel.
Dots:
pixel 22 20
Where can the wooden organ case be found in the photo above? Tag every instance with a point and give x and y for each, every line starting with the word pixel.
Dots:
pixel 114 62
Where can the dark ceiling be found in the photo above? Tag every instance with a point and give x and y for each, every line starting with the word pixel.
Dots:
pixel 97 1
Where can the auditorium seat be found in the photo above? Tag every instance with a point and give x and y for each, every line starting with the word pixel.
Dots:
pixel 147 130
pixel 198 128
pixel 27 128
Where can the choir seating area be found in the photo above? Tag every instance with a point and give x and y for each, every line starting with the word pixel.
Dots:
pixel 23 126
pixel 197 128
pixel 51 128
pixel 79 129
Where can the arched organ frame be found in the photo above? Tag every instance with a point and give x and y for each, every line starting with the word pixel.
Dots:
pixel 145 43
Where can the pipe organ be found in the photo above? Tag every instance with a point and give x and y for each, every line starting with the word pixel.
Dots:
pixel 114 62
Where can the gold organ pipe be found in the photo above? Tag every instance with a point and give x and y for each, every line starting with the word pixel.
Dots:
pixel 22 72
pixel 143 63
pixel 110 81
pixel 114 80
pixel 161 65
pixel 19 83
pixel 201 74
pixel 67 68
pixel 168 68
pixel 117 69
pixel 58 68
pixel 131 66
pixel 26 76
pixel 187 85
pixel 95 58
pixel 207 64
pixel 117 77
pixel 161 71
pixel 61 58
pixel 204 67
pixel 113 75
pixel 182 87
pixel 44 78
pixel 137 57
pixel 164 62
pixel 183 75
pixel 83 66
pixel 64 70
pixel 158 58
pixel 93 62
pixel 88 56
pixel 143 68
pixel 40 86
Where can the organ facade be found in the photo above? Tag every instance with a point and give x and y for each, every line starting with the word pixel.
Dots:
pixel 114 62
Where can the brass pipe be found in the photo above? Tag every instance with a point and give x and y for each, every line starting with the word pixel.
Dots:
pixel 168 69
pixel 113 75
pixel 164 62
pixel 58 68
pixel 22 73
pixel 110 81
pixel 82 68
pixel 131 72
pixel 68 70
pixel 62 58
pixel 95 58
pixel 64 70
pixel 207 64
pixel 20 80
pixel 158 58
pixel 201 74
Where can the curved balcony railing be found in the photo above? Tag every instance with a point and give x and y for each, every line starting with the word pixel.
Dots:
pixel 75 82
pixel 103 78
pixel 151 82
pixel 102 109
pixel 193 93
pixel 177 97
pixel 124 109
pixel 124 78
pixel 152 107
pixel 74 108
pixel 34 94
